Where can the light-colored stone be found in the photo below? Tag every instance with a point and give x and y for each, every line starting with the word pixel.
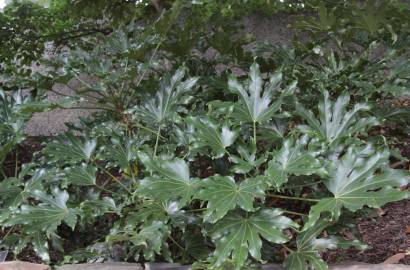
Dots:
pixel 53 122
pixel 102 266
pixel 17 265
pixel 370 267
pixel 172 266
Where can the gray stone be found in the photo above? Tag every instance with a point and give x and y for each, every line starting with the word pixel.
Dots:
pixel 370 267
pixel 165 266
pixel 173 266
pixel 53 122
pixel 18 265
pixel 102 266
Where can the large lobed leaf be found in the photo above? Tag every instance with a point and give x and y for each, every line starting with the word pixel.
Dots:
pixel 47 215
pixel 170 180
pixel 335 122
pixel 307 256
pixel 292 159
pixel 208 133
pixel 70 148
pixel 239 234
pixel 355 180
pixel 164 105
pixel 223 194
pixel 256 103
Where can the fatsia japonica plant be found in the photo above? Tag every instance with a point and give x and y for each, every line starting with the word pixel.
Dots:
pixel 213 187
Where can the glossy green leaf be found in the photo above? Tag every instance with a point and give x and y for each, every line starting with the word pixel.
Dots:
pixel 71 148
pixel 359 178
pixel 83 175
pixel 209 134
pixel 98 207
pixel 247 160
pixel 120 152
pixel 307 256
pixel 150 240
pixel 239 234
pixel 40 246
pixel 292 159
pixel 170 180
pixel 164 105
pixel 223 194
pixel 48 214
pixel 256 102
pixel 335 122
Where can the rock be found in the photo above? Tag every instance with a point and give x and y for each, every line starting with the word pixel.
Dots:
pixel 165 266
pixel 370 267
pixel 17 265
pixel 102 266
pixel 174 266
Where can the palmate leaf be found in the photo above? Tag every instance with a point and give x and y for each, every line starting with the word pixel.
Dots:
pixel 359 179
pixel 256 104
pixel 292 159
pixel 121 152
pixel 307 256
pixel 83 175
pixel 15 190
pixel 239 234
pixel 150 240
pixel 248 161
pixel 209 134
pixel 70 148
pixel 97 207
pixel 335 122
pixel 223 194
pixel 308 245
pixel 165 104
pixel 170 180
pixel 47 215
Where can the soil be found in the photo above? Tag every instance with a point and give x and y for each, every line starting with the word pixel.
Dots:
pixel 386 235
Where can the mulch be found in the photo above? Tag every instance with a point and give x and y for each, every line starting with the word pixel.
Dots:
pixel 386 234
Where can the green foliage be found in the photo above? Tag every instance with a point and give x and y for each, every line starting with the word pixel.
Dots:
pixel 238 234
pixel 183 162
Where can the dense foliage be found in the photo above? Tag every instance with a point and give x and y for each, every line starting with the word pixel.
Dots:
pixel 204 145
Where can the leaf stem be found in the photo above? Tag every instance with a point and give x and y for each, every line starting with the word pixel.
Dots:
pixel 8 232
pixel 107 190
pixel 176 243
pixel 304 185
pixel 254 132
pixel 293 213
pixel 196 210
pixel 114 178
pixel 291 198
pixel 288 249
pixel 148 129
pixel 156 140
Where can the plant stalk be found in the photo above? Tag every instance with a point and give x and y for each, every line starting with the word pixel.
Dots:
pixel 293 213
pixel 114 178
pixel 291 198
pixel 254 132
pixel 156 140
